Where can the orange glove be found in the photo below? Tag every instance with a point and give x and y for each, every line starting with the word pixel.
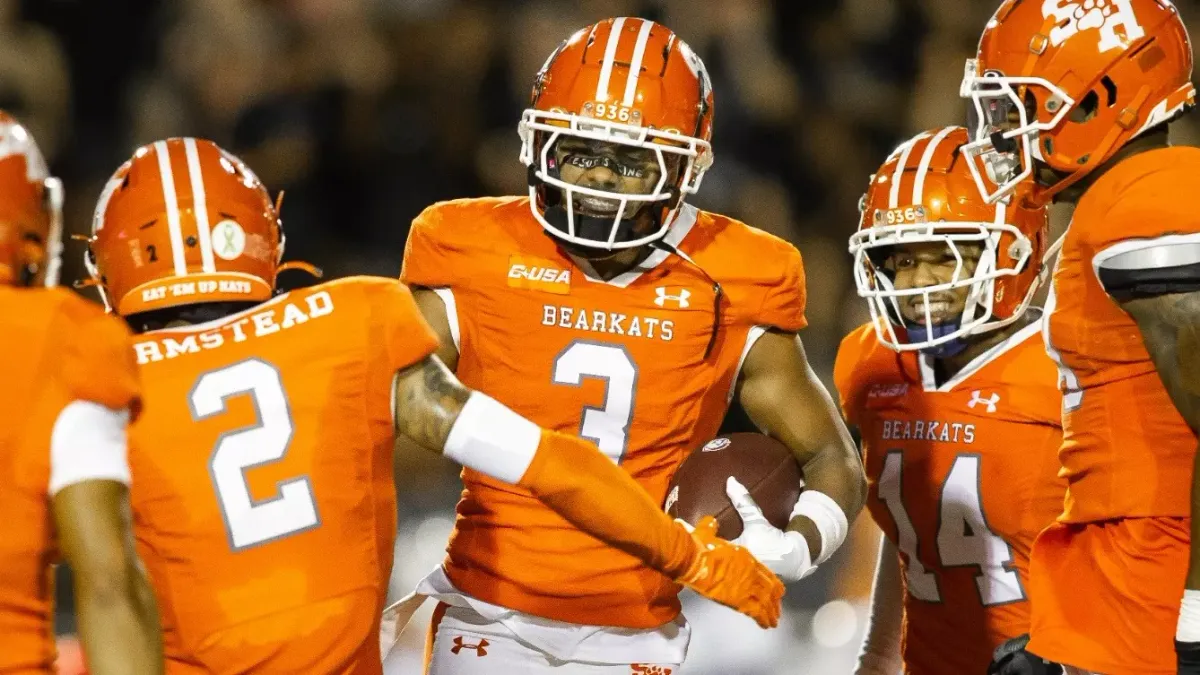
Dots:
pixel 730 575
pixel 572 477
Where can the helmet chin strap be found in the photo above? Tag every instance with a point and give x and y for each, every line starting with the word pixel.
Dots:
pixel 919 332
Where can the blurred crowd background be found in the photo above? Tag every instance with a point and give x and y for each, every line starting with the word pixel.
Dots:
pixel 366 111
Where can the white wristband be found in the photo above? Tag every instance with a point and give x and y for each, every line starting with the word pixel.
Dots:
pixel 829 519
pixel 492 439
pixel 1188 628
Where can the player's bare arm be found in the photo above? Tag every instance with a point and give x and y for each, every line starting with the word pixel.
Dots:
pixel 1170 326
pixel 573 478
pixel 434 310
pixel 118 618
pixel 783 396
pixel 428 401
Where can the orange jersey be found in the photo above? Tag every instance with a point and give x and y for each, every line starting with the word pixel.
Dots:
pixel 55 348
pixel 1126 450
pixel 961 478
pixel 621 363
pixel 263 497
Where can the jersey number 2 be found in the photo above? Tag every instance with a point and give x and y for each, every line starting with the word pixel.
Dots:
pixel 963 537
pixel 247 521
pixel 608 427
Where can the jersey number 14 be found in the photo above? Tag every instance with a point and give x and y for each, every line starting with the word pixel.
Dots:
pixel 963 536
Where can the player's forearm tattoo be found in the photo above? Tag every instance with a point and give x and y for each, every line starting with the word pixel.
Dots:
pixel 1170 326
pixel 428 400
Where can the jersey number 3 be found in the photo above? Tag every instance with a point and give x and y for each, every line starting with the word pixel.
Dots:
pixel 247 521
pixel 963 536
pixel 607 427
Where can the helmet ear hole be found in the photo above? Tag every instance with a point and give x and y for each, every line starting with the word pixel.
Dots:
pixel 1086 108
pixel 1110 89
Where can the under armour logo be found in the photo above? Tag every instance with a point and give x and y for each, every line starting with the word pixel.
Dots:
pixel 642 669
pixel 1079 15
pixel 459 645
pixel 991 401
pixel 663 297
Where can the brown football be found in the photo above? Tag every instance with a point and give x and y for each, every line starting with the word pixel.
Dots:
pixel 764 465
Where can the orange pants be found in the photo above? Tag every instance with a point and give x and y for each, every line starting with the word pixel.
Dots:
pixel 1105 596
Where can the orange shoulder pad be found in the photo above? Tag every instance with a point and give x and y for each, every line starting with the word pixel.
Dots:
pixel 446 236
pixel 96 358
pixel 1144 197
pixel 858 357
pixel 761 270
pixel 393 315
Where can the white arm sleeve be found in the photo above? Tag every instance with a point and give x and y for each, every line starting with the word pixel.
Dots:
pixel 88 443
pixel 880 653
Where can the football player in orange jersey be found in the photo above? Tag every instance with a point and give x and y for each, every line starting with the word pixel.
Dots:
pixel 958 408
pixel 601 304
pixel 1077 97
pixel 264 501
pixel 70 388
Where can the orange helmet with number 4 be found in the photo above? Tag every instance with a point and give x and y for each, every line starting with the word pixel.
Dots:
pixel 925 193
pixel 183 222
pixel 1067 83
pixel 30 210
pixel 630 82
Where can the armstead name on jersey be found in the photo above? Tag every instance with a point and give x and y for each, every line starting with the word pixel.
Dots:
pixel 597 321
pixel 280 316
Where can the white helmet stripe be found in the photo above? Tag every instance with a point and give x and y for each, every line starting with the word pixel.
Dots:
pixel 200 205
pixel 926 159
pixel 635 64
pixel 894 194
pixel 169 197
pixel 610 54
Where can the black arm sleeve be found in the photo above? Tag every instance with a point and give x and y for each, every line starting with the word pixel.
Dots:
pixel 1130 284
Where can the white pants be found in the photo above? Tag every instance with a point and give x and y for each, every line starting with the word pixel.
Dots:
pixel 466 643
pixel 1072 670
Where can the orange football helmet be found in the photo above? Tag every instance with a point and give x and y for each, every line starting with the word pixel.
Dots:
pixel 184 222
pixel 925 192
pixel 30 210
pixel 1068 82
pixel 627 81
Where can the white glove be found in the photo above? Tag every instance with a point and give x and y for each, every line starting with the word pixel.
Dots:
pixel 783 552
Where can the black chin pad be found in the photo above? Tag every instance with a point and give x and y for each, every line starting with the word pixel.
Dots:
pixel 590 227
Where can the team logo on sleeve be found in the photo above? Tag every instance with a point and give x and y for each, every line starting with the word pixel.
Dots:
pixel 1107 15
pixel 537 274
